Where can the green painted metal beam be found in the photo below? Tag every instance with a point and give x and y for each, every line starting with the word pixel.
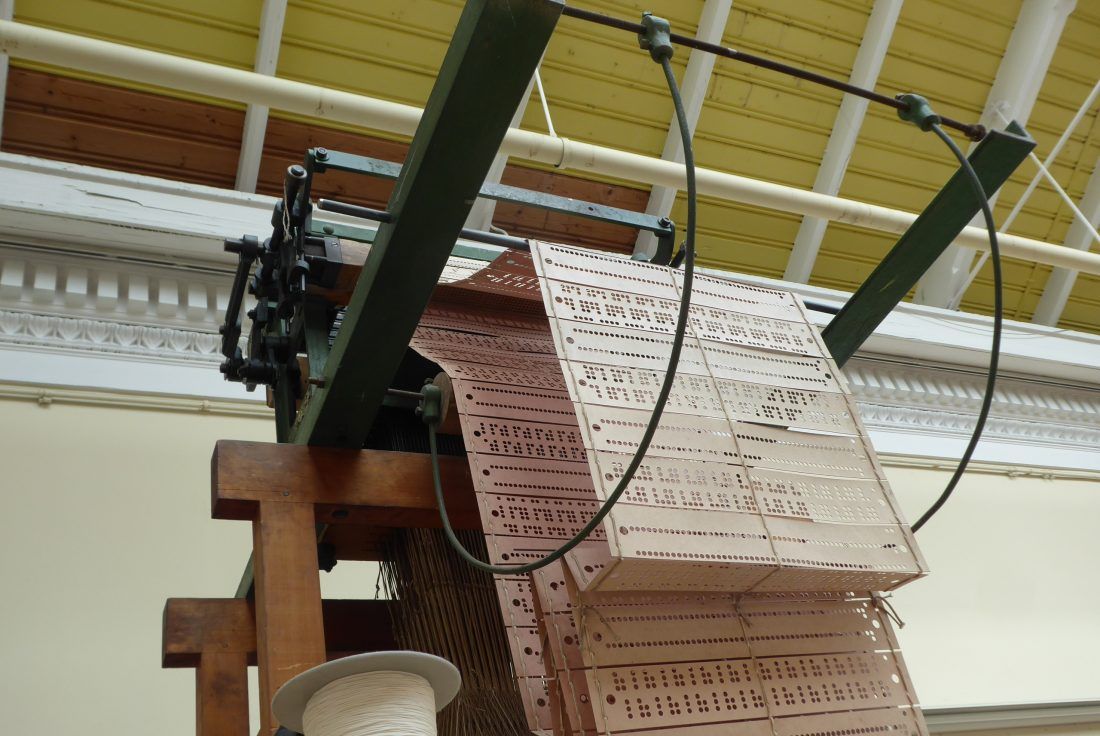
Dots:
pixel 994 160
pixel 495 49
pixel 493 53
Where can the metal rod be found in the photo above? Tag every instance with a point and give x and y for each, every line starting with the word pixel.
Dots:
pixel 366 213
pixel 974 132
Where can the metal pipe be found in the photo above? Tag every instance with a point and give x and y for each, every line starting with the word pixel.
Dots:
pixel 366 213
pixel 173 72
pixel 1060 282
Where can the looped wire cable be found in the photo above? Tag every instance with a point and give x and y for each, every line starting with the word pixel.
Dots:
pixel 662 397
pixel 998 317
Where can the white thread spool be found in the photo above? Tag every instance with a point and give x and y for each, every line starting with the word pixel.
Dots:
pixel 374 694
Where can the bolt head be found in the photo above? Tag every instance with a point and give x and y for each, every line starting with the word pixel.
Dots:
pixel 322 153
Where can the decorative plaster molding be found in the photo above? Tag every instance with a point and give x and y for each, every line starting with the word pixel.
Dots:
pixel 76 304
pixel 73 284
pixel 928 421
pixel 142 341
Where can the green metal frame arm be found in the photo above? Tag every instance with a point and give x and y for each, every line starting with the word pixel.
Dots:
pixel 495 50
pixel 662 227
pixel 994 160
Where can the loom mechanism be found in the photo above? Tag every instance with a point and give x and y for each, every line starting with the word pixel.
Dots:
pixel 718 592
pixel 757 508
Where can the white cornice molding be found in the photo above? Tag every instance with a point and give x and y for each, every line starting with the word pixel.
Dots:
pixel 80 334
pixel 125 213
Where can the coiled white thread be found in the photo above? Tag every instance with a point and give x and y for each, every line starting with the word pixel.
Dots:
pixel 372 704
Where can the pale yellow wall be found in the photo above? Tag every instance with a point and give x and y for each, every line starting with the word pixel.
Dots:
pixel 104 513
pixel 1011 610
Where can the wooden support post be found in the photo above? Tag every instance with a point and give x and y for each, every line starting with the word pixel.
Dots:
pixel 221 694
pixel 284 489
pixel 217 638
pixel 290 633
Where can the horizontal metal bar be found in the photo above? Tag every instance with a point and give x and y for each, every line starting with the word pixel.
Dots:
pixel 463 249
pixel 354 163
pixel 579 208
pixel 478 236
pixel 354 210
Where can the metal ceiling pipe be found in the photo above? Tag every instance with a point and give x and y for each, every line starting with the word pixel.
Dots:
pixel 845 133
pixel 188 75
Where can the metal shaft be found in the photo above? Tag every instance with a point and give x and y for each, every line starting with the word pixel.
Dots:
pixel 974 132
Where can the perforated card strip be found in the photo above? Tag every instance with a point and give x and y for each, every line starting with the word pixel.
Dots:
pixel 475 320
pixel 700 395
pixel 565 670
pixel 660 662
pixel 756 394
pixel 533 484
pixel 511 275
pixel 786 370
pixel 508 284
pixel 585 343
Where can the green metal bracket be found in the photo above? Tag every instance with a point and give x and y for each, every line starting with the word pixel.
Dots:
pixel 994 160
pixel 321 160
pixel 495 49
pixel 339 230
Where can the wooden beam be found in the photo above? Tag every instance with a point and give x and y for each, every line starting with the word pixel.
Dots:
pixel 194 625
pixel 290 633
pixel 197 626
pixel 221 694
pixel 373 487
